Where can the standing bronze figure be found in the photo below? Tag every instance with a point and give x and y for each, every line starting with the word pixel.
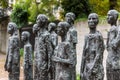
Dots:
pixel 113 47
pixel 63 55
pixel 36 54
pixel 27 58
pixel 54 40
pixel 12 64
pixel 45 49
pixel 92 57
pixel 54 37
pixel 72 38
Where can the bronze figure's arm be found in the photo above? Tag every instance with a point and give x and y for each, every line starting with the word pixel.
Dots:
pixel 85 48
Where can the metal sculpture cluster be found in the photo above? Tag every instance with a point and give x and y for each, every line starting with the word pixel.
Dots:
pixel 53 61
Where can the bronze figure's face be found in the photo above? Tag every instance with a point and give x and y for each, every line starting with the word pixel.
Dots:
pixel 93 20
pixel 51 27
pixel 42 20
pixel 25 36
pixel 35 28
pixel 10 28
pixel 112 16
pixel 70 17
pixel 63 28
pixel 60 30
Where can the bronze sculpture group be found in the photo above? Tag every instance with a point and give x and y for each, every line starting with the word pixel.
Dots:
pixel 57 61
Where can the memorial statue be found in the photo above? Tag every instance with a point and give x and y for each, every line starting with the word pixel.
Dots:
pixel 53 35
pixel 92 57
pixel 36 54
pixel 45 49
pixel 113 47
pixel 72 38
pixel 12 64
pixel 54 40
pixel 27 58
pixel 63 55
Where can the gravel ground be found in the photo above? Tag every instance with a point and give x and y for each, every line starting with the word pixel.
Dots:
pixel 82 30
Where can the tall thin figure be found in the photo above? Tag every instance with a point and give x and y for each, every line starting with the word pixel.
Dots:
pixel 45 49
pixel 54 40
pixel 12 64
pixel 92 57
pixel 113 47
pixel 54 37
pixel 27 59
pixel 36 54
pixel 72 38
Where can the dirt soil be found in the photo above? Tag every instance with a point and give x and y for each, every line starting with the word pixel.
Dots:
pixel 82 31
pixel 3 73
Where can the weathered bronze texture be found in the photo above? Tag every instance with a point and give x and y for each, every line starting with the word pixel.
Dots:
pixel 92 57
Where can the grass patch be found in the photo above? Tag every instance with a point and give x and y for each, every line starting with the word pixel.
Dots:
pixel 78 77
pixel 21 52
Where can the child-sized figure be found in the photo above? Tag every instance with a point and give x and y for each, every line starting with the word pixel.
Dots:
pixel 72 38
pixel 28 63
pixel 36 54
pixel 45 49
pixel 54 37
pixel 54 40
pixel 92 58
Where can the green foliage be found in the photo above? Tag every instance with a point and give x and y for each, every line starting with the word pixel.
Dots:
pixel 81 8
pixel 100 7
pixel 4 3
pixel 31 7
pixel 44 7
pixel 118 6
pixel 33 13
pixel 21 52
pixel 20 15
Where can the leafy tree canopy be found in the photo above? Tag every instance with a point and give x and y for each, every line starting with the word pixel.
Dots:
pixel 4 3
pixel 81 8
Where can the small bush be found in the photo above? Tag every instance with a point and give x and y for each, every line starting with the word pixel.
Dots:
pixel 19 15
